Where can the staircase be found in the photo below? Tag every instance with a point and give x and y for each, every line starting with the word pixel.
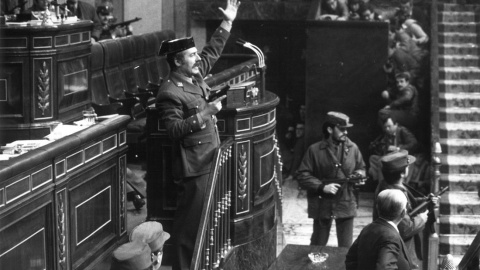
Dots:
pixel 459 99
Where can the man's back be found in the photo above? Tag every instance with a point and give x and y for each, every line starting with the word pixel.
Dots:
pixel 378 246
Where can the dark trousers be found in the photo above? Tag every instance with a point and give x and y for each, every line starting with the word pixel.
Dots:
pixel 321 231
pixel 187 219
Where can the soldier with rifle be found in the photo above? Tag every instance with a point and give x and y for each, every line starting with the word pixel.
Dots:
pixel 395 169
pixel 329 171
pixel 107 29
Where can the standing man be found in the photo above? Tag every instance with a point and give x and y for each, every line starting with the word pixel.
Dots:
pixel 334 157
pixel 379 245
pixel 190 121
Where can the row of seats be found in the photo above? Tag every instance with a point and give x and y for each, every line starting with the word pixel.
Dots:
pixel 127 70
pixel 126 74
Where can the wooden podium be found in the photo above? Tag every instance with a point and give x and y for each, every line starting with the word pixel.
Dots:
pixel 44 77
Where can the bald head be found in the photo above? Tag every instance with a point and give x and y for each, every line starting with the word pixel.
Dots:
pixel 391 204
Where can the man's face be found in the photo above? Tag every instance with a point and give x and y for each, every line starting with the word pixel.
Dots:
pixel 299 130
pixel 367 15
pixel 402 83
pixel 188 65
pixel 339 134
pixel 72 4
pixel 302 111
pixel 389 127
pixel 406 8
pixel 331 3
pixel 105 18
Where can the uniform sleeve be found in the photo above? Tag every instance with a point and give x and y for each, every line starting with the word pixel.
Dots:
pixel 359 163
pixel 409 227
pixel 171 113
pixel 213 50
pixel 304 174
pixel 404 98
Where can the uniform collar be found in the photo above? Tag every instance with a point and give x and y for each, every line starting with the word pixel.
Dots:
pixel 186 83
pixel 325 144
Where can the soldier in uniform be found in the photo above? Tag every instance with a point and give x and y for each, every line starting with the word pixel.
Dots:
pixel 334 157
pixel 190 121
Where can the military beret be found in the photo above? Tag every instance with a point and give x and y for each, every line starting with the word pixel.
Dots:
pixel 176 45
pixel 396 161
pixel 131 256
pixel 338 119
pixel 151 233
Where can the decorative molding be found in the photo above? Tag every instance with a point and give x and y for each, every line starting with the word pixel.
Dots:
pixel 61 231
pixel 122 177
pixel 242 174
pixel 43 88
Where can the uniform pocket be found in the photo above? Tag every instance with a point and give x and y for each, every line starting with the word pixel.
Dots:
pixel 198 152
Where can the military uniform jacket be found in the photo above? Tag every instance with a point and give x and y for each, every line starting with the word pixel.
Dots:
pixel 317 164
pixel 179 103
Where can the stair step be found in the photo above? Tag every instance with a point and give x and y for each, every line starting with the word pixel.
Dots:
pixel 459 73
pixel 460 146
pixel 458 49
pixel 460 203
pixel 452 6
pixel 459 27
pixel 459 61
pixel 459 164
pixel 460 182
pixel 456 16
pixel 459 86
pixel 455 244
pixel 460 114
pixel 461 224
pixel 460 100
pixel 462 130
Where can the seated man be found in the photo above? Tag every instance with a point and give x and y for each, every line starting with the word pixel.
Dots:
pixel 403 102
pixel 334 10
pixel 83 11
pixel 379 245
pixel 394 138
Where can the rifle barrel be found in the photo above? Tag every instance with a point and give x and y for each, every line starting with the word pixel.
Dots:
pixel 425 203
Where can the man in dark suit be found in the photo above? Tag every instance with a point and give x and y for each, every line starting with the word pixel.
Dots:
pixel 379 245
pixel 190 121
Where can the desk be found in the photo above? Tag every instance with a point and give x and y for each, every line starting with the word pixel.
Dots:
pixel 295 257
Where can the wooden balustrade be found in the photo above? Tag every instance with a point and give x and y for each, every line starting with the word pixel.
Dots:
pixel 213 238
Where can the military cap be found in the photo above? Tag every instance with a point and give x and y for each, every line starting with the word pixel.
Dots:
pixel 176 45
pixel 104 9
pixel 151 233
pixel 396 161
pixel 132 256
pixel 338 119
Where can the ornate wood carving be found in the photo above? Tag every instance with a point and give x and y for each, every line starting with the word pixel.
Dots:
pixel 61 231
pixel 43 88
pixel 242 174
pixel 122 178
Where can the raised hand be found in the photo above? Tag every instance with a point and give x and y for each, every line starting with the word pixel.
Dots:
pixel 230 12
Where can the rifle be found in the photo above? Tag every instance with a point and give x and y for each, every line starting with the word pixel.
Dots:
pixel 425 203
pixel 125 23
pixel 17 6
pixel 358 180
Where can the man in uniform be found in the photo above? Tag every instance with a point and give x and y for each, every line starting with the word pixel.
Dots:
pixel 334 157
pixel 190 121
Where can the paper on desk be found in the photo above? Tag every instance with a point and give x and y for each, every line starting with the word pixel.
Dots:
pixel 62 130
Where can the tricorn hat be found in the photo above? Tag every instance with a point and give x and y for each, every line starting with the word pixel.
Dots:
pixel 105 9
pixel 131 256
pixel 176 45
pixel 396 161
pixel 151 233
pixel 339 119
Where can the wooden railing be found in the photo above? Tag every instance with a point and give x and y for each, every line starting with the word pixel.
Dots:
pixel 213 237
pixel 433 240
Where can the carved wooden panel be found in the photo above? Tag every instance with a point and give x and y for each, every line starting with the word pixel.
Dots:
pixel 242 187
pixel 26 243
pixel 263 168
pixel 61 226
pixel 42 88
pixel 73 83
pixel 11 94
